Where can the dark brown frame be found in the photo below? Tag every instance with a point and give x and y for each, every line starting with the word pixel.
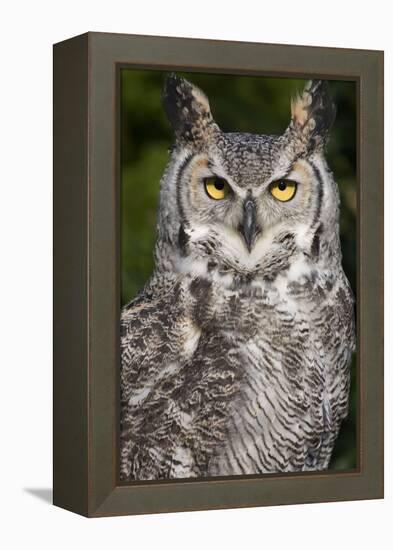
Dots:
pixel 87 272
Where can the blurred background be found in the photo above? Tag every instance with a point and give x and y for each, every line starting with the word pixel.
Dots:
pixel 238 103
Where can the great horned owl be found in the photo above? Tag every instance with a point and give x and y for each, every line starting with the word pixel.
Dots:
pixel 235 355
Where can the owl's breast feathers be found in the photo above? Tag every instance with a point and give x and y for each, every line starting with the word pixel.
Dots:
pixel 241 380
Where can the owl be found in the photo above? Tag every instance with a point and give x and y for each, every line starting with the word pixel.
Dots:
pixel 235 355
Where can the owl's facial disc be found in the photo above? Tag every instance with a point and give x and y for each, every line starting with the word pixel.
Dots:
pixel 242 200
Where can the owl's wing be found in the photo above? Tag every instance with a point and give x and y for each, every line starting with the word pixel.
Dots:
pixel 176 386
pixel 334 344
pixel 148 352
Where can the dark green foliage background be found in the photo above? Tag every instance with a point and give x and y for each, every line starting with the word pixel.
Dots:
pixel 238 103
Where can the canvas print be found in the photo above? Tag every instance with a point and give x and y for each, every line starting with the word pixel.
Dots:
pixel 238 260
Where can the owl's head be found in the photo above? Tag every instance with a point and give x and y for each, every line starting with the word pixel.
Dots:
pixel 244 202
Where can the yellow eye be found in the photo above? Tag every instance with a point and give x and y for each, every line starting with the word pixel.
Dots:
pixel 216 188
pixel 283 190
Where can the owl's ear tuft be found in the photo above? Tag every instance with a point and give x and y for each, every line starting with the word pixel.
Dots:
pixel 313 112
pixel 187 108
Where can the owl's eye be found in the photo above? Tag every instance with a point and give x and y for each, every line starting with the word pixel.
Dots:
pixel 216 188
pixel 283 190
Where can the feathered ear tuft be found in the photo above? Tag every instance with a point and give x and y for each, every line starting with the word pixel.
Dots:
pixel 187 108
pixel 313 112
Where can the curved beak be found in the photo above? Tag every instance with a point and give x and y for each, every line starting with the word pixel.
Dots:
pixel 249 227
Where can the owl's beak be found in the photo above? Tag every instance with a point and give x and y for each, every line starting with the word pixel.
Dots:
pixel 249 226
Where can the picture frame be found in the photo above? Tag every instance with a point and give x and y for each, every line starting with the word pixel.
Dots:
pixel 87 273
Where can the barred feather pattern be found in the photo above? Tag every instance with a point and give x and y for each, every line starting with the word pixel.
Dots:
pixel 234 382
pixel 236 362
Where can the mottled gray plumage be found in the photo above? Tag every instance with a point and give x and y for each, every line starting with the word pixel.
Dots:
pixel 235 356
